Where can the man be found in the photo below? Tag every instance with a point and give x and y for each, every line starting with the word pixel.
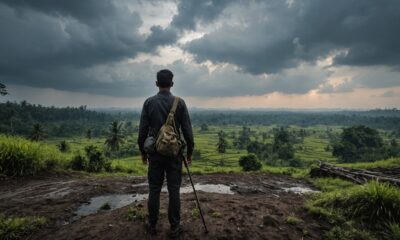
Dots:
pixel 154 114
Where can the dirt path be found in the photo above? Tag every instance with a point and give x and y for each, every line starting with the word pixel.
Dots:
pixel 256 207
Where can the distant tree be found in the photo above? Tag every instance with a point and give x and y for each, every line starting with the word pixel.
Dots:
pixel 37 132
pixel 394 148
pixel 250 163
pixel 244 138
pixel 3 90
pixel 115 136
pixel 222 143
pixel 196 154
pixel 282 144
pixel 89 134
pixel 204 127
pixel 63 146
pixel 359 143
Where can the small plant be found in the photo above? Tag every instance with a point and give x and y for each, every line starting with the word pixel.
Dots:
pixel 195 213
pixel 105 206
pixel 136 213
pixel 12 228
pixel 216 214
pixel 393 231
pixel 63 146
pixel 292 219
pixel 250 163
pixel 349 232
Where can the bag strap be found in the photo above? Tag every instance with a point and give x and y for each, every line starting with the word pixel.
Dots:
pixel 174 106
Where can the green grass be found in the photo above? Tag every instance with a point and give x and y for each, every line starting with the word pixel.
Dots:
pixel 21 157
pixel 13 228
pixel 388 163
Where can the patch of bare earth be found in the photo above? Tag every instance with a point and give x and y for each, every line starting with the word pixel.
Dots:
pixel 258 209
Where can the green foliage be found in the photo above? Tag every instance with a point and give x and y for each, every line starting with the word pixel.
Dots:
pixel 282 144
pixel 243 139
pixel 373 203
pixel 20 157
pixel 331 184
pixel 136 212
pixel 97 161
pixel 63 146
pixel 349 232
pixel 115 136
pixel 79 162
pixel 250 163
pixel 13 228
pixel 393 231
pixel 105 206
pixel 292 219
pixel 37 133
pixel 222 143
pixel 359 143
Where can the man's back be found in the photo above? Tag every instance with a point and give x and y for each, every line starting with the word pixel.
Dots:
pixel 154 114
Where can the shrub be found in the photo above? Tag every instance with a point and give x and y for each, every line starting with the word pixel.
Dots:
pixel 63 146
pixel 21 157
pixel 370 204
pixel 79 162
pixel 97 162
pixel 18 227
pixel 250 163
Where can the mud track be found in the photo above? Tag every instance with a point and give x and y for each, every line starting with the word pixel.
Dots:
pixel 258 209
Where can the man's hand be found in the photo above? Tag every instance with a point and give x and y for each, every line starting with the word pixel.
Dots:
pixel 145 159
pixel 189 159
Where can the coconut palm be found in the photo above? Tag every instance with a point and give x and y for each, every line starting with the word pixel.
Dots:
pixel 37 132
pixel 115 138
pixel 89 134
pixel 3 90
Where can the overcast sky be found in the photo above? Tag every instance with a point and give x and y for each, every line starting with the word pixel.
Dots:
pixel 224 53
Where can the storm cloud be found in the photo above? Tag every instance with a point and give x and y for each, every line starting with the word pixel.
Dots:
pixel 242 48
pixel 276 35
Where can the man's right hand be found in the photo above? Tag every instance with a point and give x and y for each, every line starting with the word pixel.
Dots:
pixel 145 159
pixel 189 159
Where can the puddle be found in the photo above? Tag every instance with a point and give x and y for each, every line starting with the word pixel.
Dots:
pixel 115 201
pixel 121 200
pixel 299 190
pixel 209 188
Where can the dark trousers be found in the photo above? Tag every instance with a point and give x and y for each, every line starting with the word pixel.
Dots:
pixel 172 168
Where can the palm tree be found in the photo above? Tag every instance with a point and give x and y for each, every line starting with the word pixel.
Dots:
pixel 89 134
pixel 115 137
pixel 3 90
pixel 37 132
pixel 221 146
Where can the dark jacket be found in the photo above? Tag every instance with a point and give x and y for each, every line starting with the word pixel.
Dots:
pixel 154 114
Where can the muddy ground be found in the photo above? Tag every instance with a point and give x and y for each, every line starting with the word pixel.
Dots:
pixel 257 209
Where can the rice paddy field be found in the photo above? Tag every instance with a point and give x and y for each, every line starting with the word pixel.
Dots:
pixel 207 159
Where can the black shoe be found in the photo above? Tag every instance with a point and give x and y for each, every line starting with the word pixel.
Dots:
pixel 175 232
pixel 150 229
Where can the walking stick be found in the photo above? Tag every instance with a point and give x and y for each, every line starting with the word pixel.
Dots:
pixel 195 194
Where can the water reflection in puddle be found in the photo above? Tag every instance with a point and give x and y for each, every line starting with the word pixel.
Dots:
pixel 115 201
pixel 299 190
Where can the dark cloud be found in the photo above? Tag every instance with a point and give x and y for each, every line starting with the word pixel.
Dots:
pixel 278 35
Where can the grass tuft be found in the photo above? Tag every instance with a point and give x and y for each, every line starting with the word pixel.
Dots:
pixel 13 228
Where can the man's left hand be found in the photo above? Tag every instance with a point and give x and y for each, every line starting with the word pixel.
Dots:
pixel 145 159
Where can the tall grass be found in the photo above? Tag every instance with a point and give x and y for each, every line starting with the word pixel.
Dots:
pixel 21 157
pixel 373 203
pixel 12 228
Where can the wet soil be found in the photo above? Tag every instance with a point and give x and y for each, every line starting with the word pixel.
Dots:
pixel 238 206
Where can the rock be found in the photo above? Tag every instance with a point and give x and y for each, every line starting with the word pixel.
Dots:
pixel 271 221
